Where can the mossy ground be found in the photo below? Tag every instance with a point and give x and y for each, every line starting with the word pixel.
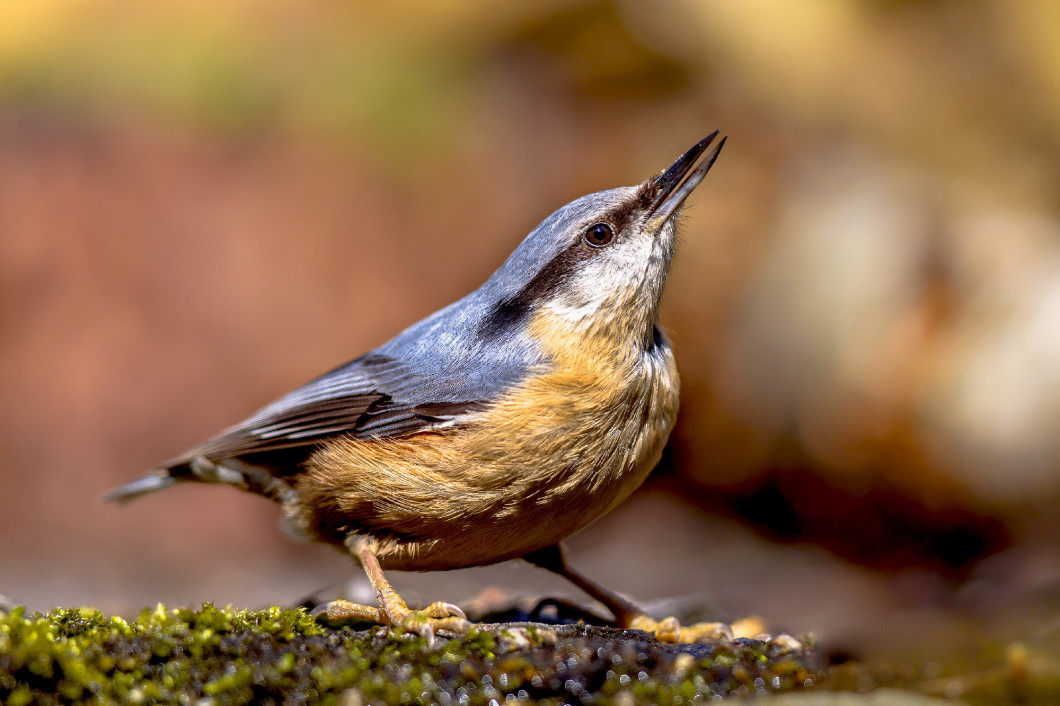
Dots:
pixel 220 655
pixel 285 656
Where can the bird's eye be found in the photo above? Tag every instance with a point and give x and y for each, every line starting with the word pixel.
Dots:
pixel 599 235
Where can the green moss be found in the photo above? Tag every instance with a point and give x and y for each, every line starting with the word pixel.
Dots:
pixel 224 655
pixel 285 656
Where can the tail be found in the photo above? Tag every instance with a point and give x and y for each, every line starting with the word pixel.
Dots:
pixel 229 471
pixel 197 469
pixel 158 480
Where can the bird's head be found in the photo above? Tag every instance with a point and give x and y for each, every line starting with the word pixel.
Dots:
pixel 600 262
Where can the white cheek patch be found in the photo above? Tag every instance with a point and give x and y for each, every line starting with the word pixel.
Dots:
pixel 631 270
pixel 605 281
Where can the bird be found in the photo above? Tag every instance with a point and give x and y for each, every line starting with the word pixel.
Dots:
pixel 494 428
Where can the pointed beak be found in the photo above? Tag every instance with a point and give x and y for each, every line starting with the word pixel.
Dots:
pixel 673 188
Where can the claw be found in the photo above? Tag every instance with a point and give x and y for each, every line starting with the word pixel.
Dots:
pixel 701 632
pixel 437 616
pixel 428 634
pixel 438 610
pixel 454 611
pixel 669 630
pixel 426 624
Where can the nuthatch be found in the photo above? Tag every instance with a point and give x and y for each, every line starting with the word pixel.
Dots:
pixel 494 428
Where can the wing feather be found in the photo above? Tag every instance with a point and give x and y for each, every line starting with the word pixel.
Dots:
pixel 373 396
pixel 434 374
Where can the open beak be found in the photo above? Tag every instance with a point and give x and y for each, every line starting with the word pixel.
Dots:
pixel 672 191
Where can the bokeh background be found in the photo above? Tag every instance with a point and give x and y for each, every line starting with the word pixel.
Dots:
pixel 203 205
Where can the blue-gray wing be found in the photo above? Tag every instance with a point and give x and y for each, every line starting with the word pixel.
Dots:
pixel 433 374
pixel 372 396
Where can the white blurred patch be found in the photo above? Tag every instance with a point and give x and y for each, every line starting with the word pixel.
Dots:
pixel 882 311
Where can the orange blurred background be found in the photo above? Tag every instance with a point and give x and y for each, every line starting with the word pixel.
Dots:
pixel 203 206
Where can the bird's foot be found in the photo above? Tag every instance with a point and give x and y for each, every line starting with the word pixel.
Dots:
pixel 426 622
pixel 671 631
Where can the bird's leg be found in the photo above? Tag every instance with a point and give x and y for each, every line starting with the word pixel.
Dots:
pixel 392 608
pixel 626 613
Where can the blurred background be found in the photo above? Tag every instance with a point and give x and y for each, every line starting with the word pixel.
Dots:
pixel 204 205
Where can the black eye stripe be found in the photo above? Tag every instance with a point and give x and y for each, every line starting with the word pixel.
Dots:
pixel 513 310
pixel 599 235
